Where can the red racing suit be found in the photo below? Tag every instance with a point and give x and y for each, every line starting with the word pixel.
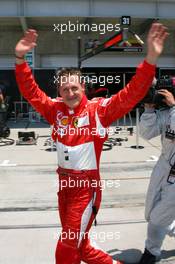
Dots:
pixel 79 135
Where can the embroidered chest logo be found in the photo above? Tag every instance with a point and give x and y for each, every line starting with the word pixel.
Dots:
pixel 81 121
pixel 75 122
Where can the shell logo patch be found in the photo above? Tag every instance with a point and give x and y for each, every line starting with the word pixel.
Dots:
pixel 64 121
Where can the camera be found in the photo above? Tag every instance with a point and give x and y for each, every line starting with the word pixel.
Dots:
pixel 153 97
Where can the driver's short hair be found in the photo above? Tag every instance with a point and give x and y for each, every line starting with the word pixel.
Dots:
pixel 66 72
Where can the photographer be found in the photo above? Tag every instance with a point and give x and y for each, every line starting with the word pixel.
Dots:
pixel 160 201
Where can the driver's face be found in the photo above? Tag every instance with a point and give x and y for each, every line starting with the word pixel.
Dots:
pixel 71 91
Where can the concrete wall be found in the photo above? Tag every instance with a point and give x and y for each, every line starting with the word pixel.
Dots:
pixel 142 8
pixel 54 50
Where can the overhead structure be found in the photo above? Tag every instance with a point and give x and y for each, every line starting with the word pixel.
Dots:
pixel 120 37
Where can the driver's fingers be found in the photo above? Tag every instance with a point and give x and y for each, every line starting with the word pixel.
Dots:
pixel 164 36
pixel 30 31
pixel 154 28
pixel 163 33
pixel 162 30
pixel 31 35
pixel 34 37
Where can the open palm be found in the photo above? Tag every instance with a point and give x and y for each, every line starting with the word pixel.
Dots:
pixel 156 37
pixel 26 43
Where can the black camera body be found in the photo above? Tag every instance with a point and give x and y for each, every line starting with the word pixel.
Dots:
pixel 153 97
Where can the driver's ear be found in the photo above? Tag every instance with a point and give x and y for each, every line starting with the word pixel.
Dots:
pixel 83 86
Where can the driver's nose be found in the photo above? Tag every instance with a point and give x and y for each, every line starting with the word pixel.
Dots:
pixel 71 93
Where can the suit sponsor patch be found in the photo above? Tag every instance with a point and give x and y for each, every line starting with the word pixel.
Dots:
pixel 81 121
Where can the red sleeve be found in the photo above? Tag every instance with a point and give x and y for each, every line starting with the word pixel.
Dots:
pixel 121 103
pixel 32 93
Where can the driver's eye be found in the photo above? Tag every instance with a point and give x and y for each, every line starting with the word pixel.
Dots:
pixel 66 90
pixel 74 88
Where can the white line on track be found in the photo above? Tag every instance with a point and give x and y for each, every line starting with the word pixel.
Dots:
pixel 5 163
